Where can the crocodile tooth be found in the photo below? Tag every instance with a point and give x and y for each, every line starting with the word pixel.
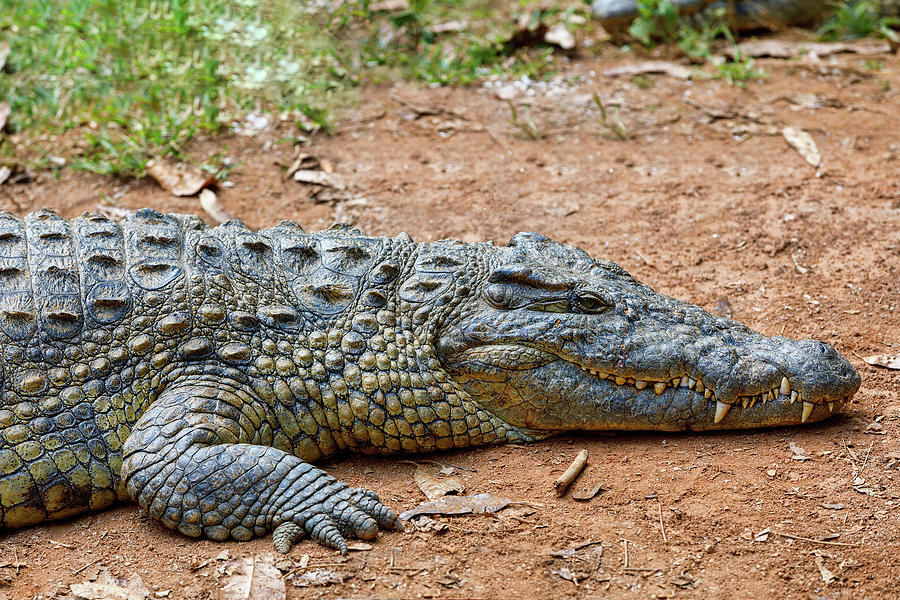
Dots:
pixel 640 384
pixel 745 402
pixel 692 383
pixel 707 393
pixel 721 410
pixel 620 380
pixel 807 408
pixel 685 381
pixel 831 407
pixel 785 387
pixel 659 387
pixel 770 396
pixel 793 396
pixel 700 387
pixel 752 401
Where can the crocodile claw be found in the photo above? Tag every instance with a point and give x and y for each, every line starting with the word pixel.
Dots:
pixel 350 512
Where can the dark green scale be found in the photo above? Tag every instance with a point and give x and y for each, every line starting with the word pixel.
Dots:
pixel 209 343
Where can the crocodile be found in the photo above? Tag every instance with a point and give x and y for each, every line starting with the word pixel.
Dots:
pixel 741 15
pixel 201 371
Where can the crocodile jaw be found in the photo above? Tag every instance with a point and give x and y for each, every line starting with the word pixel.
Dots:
pixel 540 390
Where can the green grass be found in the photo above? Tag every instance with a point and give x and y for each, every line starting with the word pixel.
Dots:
pixel 658 21
pixel 127 80
pixel 141 78
pixel 854 20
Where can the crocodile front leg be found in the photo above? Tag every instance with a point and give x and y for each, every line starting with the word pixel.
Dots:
pixel 199 460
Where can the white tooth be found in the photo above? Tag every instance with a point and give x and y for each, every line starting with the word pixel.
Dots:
pixel 707 393
pixel 700 387
pixel 745 402
pixel 721 410
pixel 752 401
pixel 793 396
pixel 659 387
pixel 640 384
pixel 770 395
pixel 831 407
pixel 785 387
pixel 692 383
pixel 799 396
pixel 807 408
pixel 620 380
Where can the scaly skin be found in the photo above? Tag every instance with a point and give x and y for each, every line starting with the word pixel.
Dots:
pixel 200 371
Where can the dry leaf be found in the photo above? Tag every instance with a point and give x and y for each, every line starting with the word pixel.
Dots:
pixel 773 48
pixel 827 575
pixel 213 207
pixel 798 452
pixel 4 114
pixel 888 361
pixel 803 143
pixel 558 35
pixel 389 5
pixel 317 577
pixel 179 178
pixel 107 587
pixel 478 504
pixel 359 546
pixel 434 486
pixel 423 523
pixel 448 27
pixel 650 66
pixel 587 493
pixel 116 213
pixel 319 178
pixel 250 579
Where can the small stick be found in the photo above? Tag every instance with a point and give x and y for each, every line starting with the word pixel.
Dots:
pixel 566 479
pixel 625 543
pixel 866 461
pixel 662 526
pixel 803 539
pixel 77 571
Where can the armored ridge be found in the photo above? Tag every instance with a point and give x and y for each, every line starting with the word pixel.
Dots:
pixel 200 371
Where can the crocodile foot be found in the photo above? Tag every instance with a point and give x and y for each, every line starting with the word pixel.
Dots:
pixel 347 513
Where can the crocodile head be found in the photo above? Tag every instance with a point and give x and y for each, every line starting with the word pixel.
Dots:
pixel 552 339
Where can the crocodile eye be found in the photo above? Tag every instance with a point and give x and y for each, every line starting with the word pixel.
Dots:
pixel 590 302
pixel 499 295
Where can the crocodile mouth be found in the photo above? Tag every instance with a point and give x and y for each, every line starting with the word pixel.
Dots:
pixel 782 392
pixel 771 402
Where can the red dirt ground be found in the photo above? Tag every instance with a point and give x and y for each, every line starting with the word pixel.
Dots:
pixel 705 201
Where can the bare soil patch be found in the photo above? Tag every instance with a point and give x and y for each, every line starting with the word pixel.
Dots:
pixel 705 201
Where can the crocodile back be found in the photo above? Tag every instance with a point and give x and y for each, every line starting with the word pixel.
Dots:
pixel 72 353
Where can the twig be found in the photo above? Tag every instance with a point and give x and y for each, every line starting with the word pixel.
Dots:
pixel 77 571
pixel 587 545
pixel 662 526
pixel 566 479
pixel 55 543
pixel 803 539
pixel 625 543
pixel 866 461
